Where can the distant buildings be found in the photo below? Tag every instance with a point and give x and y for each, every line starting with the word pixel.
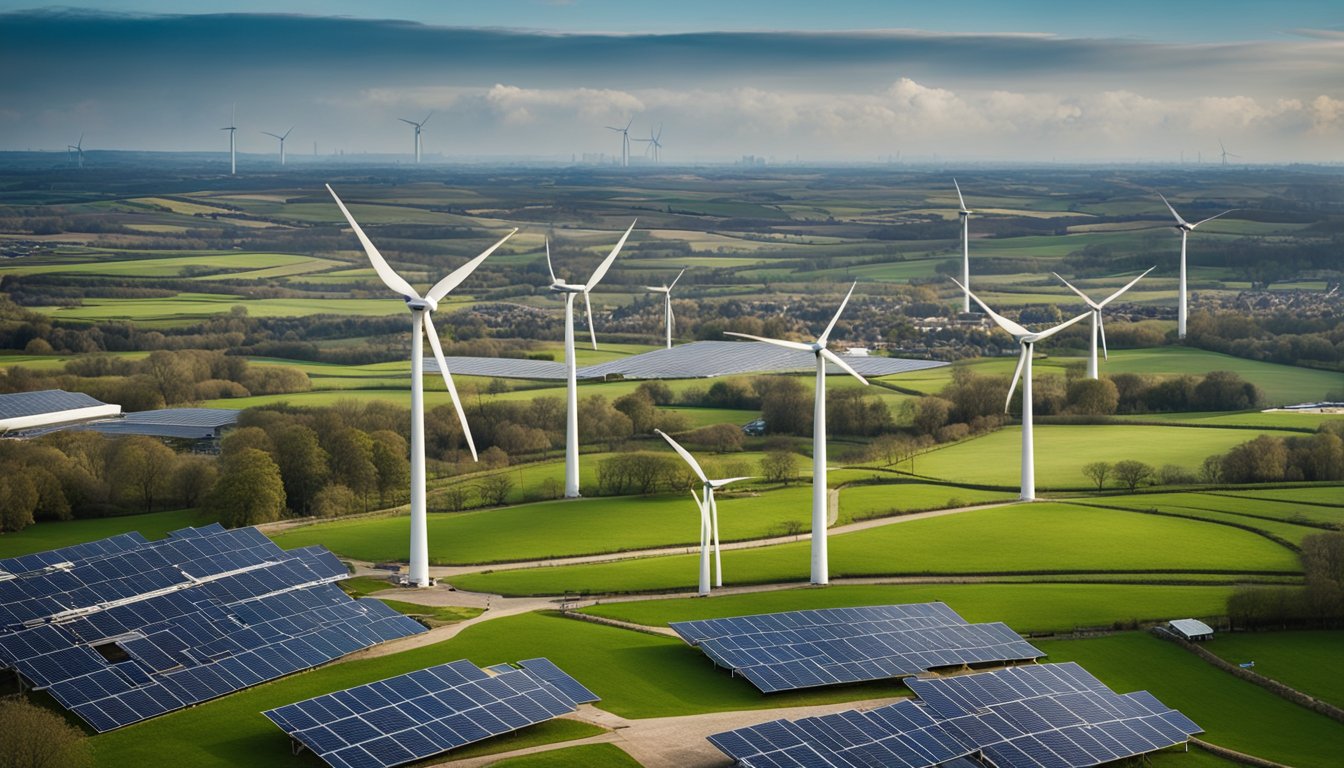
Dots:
pixel 30 414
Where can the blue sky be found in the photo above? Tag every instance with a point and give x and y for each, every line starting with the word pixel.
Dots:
pixel 822 81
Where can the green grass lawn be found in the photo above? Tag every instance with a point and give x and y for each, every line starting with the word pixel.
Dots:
pixel 1062 451
pixel 1290 519
pixel 40 537
pixel 1025 538
pixel 587 755
pixel 1327 495
pixel 1307 661
pixel 1024 607
pixel 434 615
pixel 1233 713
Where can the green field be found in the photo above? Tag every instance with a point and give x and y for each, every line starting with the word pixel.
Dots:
pixel 587 755
pixel 1268 512
pixel 1307 661
pixel 54 535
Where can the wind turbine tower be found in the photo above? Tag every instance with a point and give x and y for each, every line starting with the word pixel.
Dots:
pixel 1026 341
pixel 820 563
pixel 1097 323
pixel 965 250
pixel 232 128
pixel 666 290
pixel 1225 154
pixel 417 127
pixel 421 307
pixel 77 150
pixel 282 141
pixel 625 142
pixel 571 368
pixel 1185 228
pixel 709 515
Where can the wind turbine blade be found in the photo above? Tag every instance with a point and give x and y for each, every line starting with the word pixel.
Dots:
pixel 548 260
pixel 1012 387
pixel 777 342
pixel 426 120
pixel 435 345
pixel 960 199
pixel 588 308
pixel 695 465
pixel 286 136
pixel 389 276
pixel 834 358
pixel 1101 326
pixel 276 135
pixel 726 481
pixel 826 334
pixel 1008 325
pixel 602 268
pixel 674 281
pixel 1128 285
pixel 1052 331
pixel 409 122
pixel 700 505
pixel 1179 220
pixel 1090 302
pixel 627 125
pixel 455 279
pixel 1211 218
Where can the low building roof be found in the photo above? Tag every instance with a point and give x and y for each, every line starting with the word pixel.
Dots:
pixel 1191 627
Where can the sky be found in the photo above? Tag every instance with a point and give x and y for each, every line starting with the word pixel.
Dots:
pixel 857 81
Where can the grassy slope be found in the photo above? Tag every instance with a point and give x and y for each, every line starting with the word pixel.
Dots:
pixel 1307 661
pixel 40 537
pixel 587 755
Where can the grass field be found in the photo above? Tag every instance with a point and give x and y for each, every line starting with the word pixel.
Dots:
pixel 587 755
pixel 1307 661
pixel 1268 511
pixel 40 537
pixel 1028 538
pixel 1233 713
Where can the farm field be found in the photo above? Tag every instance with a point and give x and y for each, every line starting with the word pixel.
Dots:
pixel 45 536
pixel 1305 660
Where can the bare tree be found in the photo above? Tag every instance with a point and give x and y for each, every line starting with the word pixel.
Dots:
pixel 1097 471
pixel 1131 474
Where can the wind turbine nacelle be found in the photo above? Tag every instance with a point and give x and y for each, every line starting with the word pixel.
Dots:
pixel 422 305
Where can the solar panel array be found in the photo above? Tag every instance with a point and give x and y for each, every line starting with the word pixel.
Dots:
pixel 124 629
pixel 1035 716
pixel 420 714
pixel 803 649
pixel 39 560
pixel 20 404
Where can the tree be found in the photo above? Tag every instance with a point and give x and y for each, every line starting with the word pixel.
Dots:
pixel 1131 473
pixel 892 449
pixel 1261 460
pixel 931 413
pixel 1093 397
pixel 246 437
pixel 1097 472
pixel 18 499
pixel 193 478
pixel 639 408
pixel 520 440
pixel 456 497
pixel 720 438
pixel 786 405
pixel 351 455
pixel 600 422
pixel 779 466
pixel 1211 471
pixel 34 737
pixel 303 465
pixel 392 463
pixel 249 490
pixel 335 500
pixel 494 489
pixel 142 467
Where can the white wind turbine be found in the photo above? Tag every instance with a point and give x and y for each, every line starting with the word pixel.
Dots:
pixel 1026 341
pixel 418 126
pixel 655 145
pixel 77 150
pixel 709 515
pixel 1097 323
pixel 666 290
pixel 421 307
pixel 1185 229
pixel 965 250
pixel 625 141
pixel 820 563
pixel 232 128
pixel 282 141
pixel 572 391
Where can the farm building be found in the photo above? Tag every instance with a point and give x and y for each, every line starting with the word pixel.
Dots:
pixel 1191 629
pixel 50 408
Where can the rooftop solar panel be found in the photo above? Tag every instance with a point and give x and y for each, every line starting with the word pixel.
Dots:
pixel 426 712
pixel 803 649
pixel 20 404
pixel 1035 716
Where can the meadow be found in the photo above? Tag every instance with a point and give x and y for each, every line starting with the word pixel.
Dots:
pixel 1305 660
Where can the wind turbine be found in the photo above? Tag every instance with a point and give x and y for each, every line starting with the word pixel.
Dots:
pixel 232 129
pixel 421 307
pixel 1097 323
pixel 572 392
pixel 654 145
pixel 282 141
pixel 418 126
pixel 965 250
pixel 666 290
pixel 709 515
pixel 1185 228
pixel 1225 154
pixel 78 150
pixel 1026 340
pixel 625 142
pixel 820 564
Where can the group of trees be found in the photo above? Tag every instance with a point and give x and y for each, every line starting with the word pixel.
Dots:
pixel 1320 603
pixel 1270 458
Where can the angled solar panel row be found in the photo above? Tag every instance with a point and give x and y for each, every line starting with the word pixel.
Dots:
pixel 423 713
pixel 1036 716
pixel 121 636
pixel 802 649
pixel 39 560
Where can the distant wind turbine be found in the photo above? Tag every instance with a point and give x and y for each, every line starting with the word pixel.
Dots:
pixel 572 392
pixel 709 515
pixel 1185 229
pixel 820 563
pixel 625 141
pixel 417 126
pixel 421 307
pixel 282 141
pixel 1097 323
pixel 77 150
pixel 655 144
pixel 1225 154
pixel 232 128
pixel 1026 341
pixel 965 250
pixel 666 290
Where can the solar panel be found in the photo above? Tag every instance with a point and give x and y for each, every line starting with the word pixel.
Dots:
pixel 1036 716
pixel 201 613
pixel 429 711
pixel 803 649
pixel 20 404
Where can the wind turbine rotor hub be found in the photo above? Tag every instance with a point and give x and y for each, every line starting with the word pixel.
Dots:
pixel 422 305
